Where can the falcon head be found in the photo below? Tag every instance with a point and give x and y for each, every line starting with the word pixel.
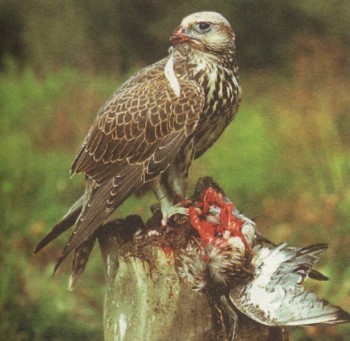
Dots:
pixel 205 31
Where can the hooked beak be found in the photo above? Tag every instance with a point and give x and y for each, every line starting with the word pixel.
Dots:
pixel 179 36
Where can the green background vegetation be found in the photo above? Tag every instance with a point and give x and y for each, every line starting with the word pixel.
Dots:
pixel 284 161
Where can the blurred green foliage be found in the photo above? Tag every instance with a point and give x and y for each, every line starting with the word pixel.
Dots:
pixel 119 34
pixel 286 154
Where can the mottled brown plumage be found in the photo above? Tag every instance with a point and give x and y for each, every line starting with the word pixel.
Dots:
pixel 152 128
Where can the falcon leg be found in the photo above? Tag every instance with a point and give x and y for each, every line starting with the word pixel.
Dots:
pixel 167 205
pixel 170 188
pixel 176 176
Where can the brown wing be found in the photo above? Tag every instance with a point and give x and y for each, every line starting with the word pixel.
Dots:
pixel 138 123
pixel 134 139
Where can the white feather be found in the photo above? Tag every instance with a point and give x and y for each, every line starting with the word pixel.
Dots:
pixel 171 77
pixel 274 296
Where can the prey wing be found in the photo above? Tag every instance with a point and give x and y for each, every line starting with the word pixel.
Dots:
pixel 276 297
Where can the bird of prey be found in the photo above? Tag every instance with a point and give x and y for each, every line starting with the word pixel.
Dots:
pixel 152 128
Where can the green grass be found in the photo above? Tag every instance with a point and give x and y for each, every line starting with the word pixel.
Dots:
pixel 284 161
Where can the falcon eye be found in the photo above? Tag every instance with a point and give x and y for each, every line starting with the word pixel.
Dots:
pixel 204 26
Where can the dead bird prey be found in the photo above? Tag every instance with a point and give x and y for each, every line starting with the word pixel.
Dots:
pixel 231 260
pixel 152 128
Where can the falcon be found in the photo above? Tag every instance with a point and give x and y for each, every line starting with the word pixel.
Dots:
pixel 152 128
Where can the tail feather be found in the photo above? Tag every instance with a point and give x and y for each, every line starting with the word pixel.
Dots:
pixel 64 224
pixel 96 211
pixel 81 258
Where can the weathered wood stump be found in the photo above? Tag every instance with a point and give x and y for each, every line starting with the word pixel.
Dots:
pixel 147 300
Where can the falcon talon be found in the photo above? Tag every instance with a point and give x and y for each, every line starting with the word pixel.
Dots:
pixel 155 209
pixel 186 202
pixel 171 211
pixel 180 219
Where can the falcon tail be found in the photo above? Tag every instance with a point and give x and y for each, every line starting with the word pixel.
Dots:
pixel 81 257
pixel 82 252
pixel 64 224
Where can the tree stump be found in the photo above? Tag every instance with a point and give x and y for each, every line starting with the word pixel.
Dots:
pixel 146 299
